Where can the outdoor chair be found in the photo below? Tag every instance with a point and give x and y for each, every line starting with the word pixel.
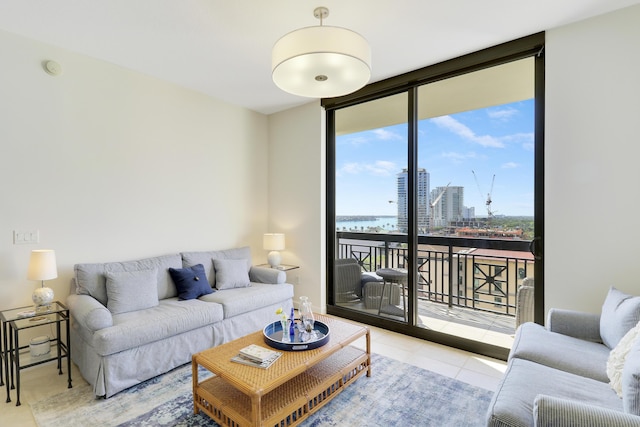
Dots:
pixel 524 302
pixel 348 275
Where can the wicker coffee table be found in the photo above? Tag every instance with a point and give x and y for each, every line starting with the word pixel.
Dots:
pixel 295 386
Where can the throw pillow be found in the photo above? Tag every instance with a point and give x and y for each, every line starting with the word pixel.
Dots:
pixel 618 357
pixel 131 290
pixel 631 380
pixel 620 313
pixel 191 282
pixel 231 273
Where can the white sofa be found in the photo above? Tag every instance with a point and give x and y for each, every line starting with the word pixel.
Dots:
pixel 129 323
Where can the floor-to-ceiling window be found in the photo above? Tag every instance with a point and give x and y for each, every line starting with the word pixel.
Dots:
pixel 433 182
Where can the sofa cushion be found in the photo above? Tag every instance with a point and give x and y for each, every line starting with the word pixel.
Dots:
pixel 191 282
pixel 620 313
pixel 91 279
pixel 206 259
pixel 574 355
pixel 131 290
pixel 231 273
pixel 170 317
pixel 513 401
pixel 243 300
pixel 618 357
pixel 631 380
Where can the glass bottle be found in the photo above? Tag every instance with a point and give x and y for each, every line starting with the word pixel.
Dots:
pixel 306 315
pixel 292 325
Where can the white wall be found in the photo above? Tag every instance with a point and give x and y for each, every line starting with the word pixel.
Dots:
pixel 297 196
pixel 111 165
pixel 591 160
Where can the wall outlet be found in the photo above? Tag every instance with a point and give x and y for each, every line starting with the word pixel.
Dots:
pixel 26 237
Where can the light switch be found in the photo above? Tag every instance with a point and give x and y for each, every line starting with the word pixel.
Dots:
pixel 26 237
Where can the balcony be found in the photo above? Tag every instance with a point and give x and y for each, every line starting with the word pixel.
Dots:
pixel 465 286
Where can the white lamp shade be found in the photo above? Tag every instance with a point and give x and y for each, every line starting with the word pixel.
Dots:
pixel 42 265
pixel 273 241
pixel 321 62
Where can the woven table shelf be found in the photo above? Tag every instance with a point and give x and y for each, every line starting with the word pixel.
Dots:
pixel 295 386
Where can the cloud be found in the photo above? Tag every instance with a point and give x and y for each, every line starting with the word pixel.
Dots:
pixel 354 140
pixel 502 115
pixel 385 135
pixel 451 124
pixel 510 165
pixel 457 158
pixel 371 136
pixel 351 168
pixel 382 168
pixel 377 168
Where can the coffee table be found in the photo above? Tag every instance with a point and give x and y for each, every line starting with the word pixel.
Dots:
pixel 298 384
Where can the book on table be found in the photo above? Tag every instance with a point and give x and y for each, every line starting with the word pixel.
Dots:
pixel 258 353
pixel 251 362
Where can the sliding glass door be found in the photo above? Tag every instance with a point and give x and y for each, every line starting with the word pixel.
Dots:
pixel 434 185
pixel 371 153
pixel 476 142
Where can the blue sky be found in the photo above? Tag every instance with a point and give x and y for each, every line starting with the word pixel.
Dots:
pixel 496 140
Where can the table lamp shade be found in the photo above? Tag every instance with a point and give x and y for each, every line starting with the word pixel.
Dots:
pixel 273 242
pixel 42 266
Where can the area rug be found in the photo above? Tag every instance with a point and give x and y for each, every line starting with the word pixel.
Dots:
pixel 396 394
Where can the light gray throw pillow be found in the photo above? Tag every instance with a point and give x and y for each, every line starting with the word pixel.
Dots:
pixel 231 273
pixel 131 290
pixel 620 313
pixel 631 380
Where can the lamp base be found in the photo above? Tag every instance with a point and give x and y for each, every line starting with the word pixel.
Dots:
pixel 274 258
pixel 42 297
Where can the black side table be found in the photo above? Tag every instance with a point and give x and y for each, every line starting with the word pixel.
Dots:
pixel 15 320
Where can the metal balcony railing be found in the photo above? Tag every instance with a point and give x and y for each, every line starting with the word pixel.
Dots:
pixel 481 274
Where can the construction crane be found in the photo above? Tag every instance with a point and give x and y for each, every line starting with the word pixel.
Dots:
pixel 433 204
pixel 488 202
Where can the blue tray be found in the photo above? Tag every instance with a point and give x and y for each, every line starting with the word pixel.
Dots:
pixel 273 337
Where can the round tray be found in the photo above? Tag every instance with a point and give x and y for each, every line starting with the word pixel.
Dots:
pixel 273 336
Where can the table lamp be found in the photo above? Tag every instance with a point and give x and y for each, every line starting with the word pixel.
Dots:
pixel 42 266
pixel 273 242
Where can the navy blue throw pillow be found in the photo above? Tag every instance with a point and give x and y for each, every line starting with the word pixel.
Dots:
pixel 191 282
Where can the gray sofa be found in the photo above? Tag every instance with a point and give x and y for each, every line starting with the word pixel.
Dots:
pixel 560 375
pixel 129 322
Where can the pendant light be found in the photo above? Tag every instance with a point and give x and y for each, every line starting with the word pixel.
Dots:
pixel 321 61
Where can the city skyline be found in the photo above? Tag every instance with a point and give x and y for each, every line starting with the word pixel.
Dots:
pixel 492 141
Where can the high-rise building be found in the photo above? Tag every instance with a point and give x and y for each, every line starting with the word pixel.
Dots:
pixel 422 202
pixel 450 207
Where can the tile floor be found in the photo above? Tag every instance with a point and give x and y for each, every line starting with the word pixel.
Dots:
pixel 43 381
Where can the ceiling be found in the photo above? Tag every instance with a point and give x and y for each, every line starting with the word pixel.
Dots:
pixel 223 47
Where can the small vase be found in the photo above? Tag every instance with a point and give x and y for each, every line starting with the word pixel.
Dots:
pixel 285 332
pixel 306 315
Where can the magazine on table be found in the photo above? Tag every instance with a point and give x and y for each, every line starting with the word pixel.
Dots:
pixel 259 354
pixel 252 362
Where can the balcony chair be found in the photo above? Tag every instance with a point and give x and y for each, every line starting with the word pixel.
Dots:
pixel 354 285
pixel 348 280
pixel 524 302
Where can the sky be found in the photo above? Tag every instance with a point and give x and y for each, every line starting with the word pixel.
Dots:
pixel 496 141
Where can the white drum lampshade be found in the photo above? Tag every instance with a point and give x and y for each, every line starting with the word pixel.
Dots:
pixel 42 266
pixel 322 61
pixel 273 242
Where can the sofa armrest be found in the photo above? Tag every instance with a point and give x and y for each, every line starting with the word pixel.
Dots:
pixel 553 411
pixel 575 324
pixel 89 312
pixel 267 275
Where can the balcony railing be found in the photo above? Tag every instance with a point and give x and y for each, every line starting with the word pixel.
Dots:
pixel 481 274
